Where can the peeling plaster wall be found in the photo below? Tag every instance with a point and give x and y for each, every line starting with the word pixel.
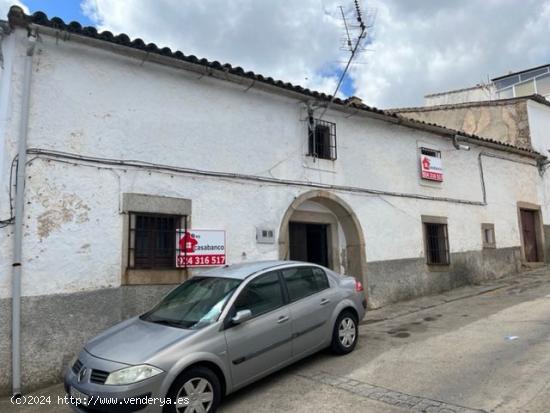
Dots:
pixel 508 123
pixel 96 103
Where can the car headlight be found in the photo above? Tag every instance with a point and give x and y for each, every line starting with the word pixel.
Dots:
pixel 72 362
pixel 132 374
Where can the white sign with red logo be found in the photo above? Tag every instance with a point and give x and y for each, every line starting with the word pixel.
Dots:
pixel 431 168
pixel 200 248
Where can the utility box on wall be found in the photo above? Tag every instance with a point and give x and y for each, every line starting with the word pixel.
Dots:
pixel 265 236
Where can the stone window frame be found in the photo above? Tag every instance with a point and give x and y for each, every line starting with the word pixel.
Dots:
pixel 133 203
pixel 430 219
pixel 322 130
pixel 488 227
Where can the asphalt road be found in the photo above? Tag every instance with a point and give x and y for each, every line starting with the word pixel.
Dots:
pixel 484 348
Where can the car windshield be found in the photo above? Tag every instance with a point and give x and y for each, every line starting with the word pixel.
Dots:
pixel 196 303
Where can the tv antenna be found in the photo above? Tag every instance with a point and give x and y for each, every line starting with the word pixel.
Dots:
pixel 351 45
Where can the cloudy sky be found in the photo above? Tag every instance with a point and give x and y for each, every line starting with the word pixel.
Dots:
pixel 414 47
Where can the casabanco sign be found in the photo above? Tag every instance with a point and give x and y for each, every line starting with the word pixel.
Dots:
pixel 200 248
pixel 431 168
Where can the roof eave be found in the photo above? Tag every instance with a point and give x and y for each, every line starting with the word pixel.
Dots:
pixel 150 52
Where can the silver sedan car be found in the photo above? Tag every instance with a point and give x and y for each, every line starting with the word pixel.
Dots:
pixel 214 334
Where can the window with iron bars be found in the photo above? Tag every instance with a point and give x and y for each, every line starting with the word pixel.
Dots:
pixel 153 240
pixel 322 139
pixel 437 244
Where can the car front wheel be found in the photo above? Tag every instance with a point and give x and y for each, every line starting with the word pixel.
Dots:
pixel 196 390
pixel 345 333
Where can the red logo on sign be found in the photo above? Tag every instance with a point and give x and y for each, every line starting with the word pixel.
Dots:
pixel 188 243
pixel 426 163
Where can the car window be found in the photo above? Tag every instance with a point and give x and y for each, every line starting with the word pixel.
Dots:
pixel 320 278
pixel 304 281
pixel 261 295
pixel 196 303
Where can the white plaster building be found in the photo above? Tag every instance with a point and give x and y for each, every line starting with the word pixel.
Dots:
pixel 118 130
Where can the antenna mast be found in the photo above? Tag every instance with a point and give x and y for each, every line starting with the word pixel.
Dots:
pixel 352 48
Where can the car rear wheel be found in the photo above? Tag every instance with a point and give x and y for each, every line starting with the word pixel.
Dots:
pixel 196 390
pixel 345 333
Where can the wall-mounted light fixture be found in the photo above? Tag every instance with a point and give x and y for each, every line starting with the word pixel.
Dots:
pixel 460 146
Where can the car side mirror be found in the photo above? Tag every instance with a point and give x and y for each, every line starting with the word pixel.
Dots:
pixel 241 316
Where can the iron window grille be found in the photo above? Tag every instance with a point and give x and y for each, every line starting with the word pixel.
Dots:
pixel 152 242
pixel 322 139
pixel 437 244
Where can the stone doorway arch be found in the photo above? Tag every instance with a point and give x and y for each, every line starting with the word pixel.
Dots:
pixel 354 259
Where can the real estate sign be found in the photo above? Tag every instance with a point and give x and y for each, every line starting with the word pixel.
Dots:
pixel 431 168
pixel 200 248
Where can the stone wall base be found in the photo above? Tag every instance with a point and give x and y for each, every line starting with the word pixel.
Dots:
pixel 54 328
pixel 399 280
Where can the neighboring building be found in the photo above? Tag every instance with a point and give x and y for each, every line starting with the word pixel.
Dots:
pixel 129 143
pixel 533 81
pixel 523 121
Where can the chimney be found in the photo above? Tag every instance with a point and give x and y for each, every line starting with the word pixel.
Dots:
pixel 353 100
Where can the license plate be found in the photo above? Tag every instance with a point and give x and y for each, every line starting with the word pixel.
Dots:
pixel 80 398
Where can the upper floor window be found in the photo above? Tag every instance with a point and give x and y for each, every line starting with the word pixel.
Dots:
pixel 524 84
pixel 322 139
pixel 430 152
pixel 153 240
pixel 431 167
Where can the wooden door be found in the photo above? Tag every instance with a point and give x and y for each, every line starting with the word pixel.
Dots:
pixel 528 227
pixel 308 242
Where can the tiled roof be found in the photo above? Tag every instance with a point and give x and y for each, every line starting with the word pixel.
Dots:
pixel 17 17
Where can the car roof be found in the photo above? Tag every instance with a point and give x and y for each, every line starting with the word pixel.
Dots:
pixel 243 270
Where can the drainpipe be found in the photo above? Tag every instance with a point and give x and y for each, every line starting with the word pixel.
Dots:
pixel 18 226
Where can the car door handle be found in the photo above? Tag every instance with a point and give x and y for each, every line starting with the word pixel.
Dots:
pixel 325 301
pixel 282 319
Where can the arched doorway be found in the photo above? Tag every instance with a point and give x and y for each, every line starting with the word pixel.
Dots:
pixel 320 217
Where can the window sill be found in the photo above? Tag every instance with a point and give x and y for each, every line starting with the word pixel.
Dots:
pixel 309 155
pixel 438 267
pixel 319 164
pixel 157 276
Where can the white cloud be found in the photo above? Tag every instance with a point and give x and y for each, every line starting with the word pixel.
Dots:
pixel 417 47
pixel 430 46
pixel 288 40
pixel 5 7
